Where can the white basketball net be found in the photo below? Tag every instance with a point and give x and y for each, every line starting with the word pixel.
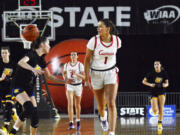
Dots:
pixel 26 44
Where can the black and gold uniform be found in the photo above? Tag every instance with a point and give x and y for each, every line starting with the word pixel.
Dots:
pixel 24 80
pixel 5 93
pixel 158 79
pixel 8 69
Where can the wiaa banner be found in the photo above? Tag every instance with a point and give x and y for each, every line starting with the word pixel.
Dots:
pixel 77 17
pixel 169 111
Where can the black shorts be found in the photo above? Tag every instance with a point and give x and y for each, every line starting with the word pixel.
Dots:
pixel 16 91
pixel 157 94
pixel 5 95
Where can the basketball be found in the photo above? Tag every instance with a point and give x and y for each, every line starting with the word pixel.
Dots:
pixel 30 32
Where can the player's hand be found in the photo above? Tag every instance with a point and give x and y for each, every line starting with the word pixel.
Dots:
pixel 69 81
pixel 37 72
pixel 87 85
pixel 164 85
pixel 152 85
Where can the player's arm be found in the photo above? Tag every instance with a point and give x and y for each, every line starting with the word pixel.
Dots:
pixel 81 73
pixel 23 63
pixel 64 74
pixel 3 76
pixel 53 78
pixel 166 83
pixel 145 82
pixel 89 54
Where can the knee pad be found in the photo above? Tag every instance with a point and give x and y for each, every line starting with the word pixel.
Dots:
pixel 19 108
pixel 28 111
pixel 34 118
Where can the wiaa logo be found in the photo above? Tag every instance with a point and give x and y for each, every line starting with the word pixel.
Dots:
pixel 163 15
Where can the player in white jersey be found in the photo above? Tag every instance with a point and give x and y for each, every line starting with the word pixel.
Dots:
pixel 74 70
pixel 101 60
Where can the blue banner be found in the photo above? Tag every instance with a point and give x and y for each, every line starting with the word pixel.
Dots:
pixel 169 111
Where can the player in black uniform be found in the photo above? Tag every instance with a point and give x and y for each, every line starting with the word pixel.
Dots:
pixel 7 68
pixel 32 64
pixel 158 81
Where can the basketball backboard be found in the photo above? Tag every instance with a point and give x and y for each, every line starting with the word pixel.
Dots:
pixel 29 12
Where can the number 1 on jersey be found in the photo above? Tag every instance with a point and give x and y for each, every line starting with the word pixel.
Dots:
pixel 105 61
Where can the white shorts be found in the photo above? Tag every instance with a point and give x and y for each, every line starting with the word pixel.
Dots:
pixel 77 89
pixel 101 78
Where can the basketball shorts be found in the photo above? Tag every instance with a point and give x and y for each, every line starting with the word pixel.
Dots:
pixel 156 95
pixel 17 91
pixel 5 96
pixel 77 89
pixel 101 78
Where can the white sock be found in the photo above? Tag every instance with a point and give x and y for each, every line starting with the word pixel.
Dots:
pixel 77 120
pixel 105 116
pixel 111 133
pixel 16 128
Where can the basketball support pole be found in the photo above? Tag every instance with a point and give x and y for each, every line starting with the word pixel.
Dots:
pixel 54 110
pixel 50 98
pixel 45 26
pixel 13 21
pixel 46 107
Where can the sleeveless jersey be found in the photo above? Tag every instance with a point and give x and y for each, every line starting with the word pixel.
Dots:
pixel 71 69
pixel 104 56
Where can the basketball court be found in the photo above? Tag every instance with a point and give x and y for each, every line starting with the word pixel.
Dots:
pixel 31 12
pixel 91 126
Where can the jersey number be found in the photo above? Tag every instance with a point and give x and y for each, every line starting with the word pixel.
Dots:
pixel 105 61
pixel 72 73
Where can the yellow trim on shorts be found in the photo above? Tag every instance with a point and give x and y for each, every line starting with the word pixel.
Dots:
pixel 8 96
pixel 161 95
pixel 9 101
pixel 154 97
pixel 3 101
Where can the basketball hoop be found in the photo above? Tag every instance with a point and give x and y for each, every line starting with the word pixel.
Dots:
pixel 15 21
